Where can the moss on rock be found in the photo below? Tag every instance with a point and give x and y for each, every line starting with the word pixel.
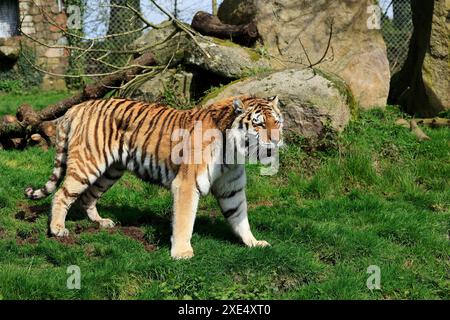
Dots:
pixel 343 88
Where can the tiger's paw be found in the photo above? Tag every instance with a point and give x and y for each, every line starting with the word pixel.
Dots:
pixel 29 192
pixel 59 231
pixel 106 223
pixel 258 243
pixel 182 255
pixel 262 243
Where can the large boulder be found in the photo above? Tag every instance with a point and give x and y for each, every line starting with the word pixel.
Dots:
pixel 312 102
pixel 223 58
pixel 358 53
pixel 177 83
pixel 422 87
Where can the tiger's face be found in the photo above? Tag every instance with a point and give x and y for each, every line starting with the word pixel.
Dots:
pixel 259 124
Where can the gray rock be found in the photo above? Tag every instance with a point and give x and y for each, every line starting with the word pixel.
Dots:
pixel 156 41
pixel 10 48
pixel 221 57
pixel 11 53
pixel 358 52
pixel 172 81
pixel 226 59
pixel 311 103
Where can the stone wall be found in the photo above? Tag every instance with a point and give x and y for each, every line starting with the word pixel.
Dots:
pixel 43 20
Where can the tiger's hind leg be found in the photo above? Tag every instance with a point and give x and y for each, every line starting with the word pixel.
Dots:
pixel 90 197
pixel 69 192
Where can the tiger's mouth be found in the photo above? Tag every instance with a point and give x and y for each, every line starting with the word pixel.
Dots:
pixel 256 147
pixel 271 144
pixel 256 139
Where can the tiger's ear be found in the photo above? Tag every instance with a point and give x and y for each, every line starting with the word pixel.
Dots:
pixel 238 106
pixel 275 100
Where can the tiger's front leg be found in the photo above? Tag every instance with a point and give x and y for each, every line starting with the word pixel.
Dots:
pixel 185 203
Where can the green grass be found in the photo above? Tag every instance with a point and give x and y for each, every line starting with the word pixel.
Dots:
pixel 382 199
pixel 10 102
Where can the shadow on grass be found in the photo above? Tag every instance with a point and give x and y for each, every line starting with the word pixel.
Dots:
pixel 162 224
pixel 126 216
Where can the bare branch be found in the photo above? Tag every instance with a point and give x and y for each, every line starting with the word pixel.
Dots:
pixel 191 33
pixel 328 44
pixel 312 65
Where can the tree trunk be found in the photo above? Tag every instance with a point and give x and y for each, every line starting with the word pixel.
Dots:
pixel 214 7
pixel 175 9
pixel 408 87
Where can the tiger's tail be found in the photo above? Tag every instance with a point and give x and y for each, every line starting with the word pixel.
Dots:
pixel 59 170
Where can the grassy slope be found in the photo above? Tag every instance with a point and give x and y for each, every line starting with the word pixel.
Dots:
pixel 383 199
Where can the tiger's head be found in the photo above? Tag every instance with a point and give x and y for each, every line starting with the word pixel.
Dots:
pixel 258 124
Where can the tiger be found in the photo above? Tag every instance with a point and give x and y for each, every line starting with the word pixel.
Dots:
pixel 99 140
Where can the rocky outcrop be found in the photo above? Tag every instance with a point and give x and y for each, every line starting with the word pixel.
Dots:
pixel 422 87
pixel 172 81
pixel 358 53
pixel 221 57
pixel 312 103
pixel 10 48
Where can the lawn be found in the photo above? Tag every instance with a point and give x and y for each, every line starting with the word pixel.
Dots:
pixel 379 198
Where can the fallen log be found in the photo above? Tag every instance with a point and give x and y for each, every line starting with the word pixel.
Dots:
pixel 210 25
pixel 413 125
pixel 415 129
pixel 28 121
pixel 37 140
pixel 434 122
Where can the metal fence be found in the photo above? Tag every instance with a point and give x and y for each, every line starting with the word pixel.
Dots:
pixel 397 28
pixel 109 27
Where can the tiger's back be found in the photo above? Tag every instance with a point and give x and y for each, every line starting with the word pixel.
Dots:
pixel 131 134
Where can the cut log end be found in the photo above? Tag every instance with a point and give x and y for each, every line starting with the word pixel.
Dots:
pixel 8 119
pixel 37 140
pixel 48 128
